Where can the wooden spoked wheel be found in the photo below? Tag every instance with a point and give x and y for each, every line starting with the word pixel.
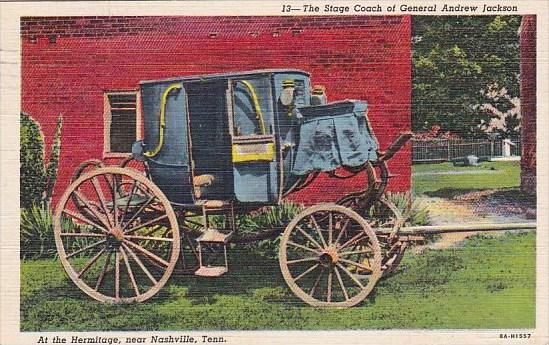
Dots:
pixel 330 257
pixel 106 246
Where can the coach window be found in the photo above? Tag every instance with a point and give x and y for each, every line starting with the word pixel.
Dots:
pixel 252 107
pixel 122 119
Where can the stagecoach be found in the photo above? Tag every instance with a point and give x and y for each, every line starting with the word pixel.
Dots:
pixel 225 144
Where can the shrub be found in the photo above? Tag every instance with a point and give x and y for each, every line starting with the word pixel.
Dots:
pixel 32 171
pixel 37 181
pixel 265 219
pixel 53 162
pixel 36 178
pixel 37 239
pixel 412 211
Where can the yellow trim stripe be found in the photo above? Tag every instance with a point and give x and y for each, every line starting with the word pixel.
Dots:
pixel 256 105
pixel 162 120
pixel 267 155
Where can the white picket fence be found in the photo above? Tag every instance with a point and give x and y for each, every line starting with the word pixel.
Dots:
pixel 443 150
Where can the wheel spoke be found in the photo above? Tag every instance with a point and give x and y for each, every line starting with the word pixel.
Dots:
pixel 353 240
pixel 315 225
pixel 114 188
pixel 136 214
pixel 130 272
pixel 301 260
pixel 130 197
pixel 140 264
pixel 343 229
pixel 330 227
pixel 338 275
pixel 103 272
pixel 117 275
pixel 350 275
pixel 86 202
pixel 150 222
pixel 93 245
pixel 82 234
pixel 312 291
pixel 90 263
pixel 306 272
pixel 308 236
pixel 362 251
pixel 366 268
pixel 303 247
pixel 85 220
pixel 147 253
pixel 101 197
pixel 329 297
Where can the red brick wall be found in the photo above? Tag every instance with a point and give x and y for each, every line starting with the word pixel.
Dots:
pixel 68 62
pixel 528 103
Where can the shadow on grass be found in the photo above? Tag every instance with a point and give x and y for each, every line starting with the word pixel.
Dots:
pixel 510 195
pixel 247 272
pixel 501 195
pixel 451 193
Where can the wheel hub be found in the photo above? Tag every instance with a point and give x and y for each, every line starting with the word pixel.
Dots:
pixel 116 236
pixel 328 257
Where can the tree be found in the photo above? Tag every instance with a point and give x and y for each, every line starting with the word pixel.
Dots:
pixel 465 72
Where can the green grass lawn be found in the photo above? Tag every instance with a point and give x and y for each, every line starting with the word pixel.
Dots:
pixel 444 178
pixel 487 282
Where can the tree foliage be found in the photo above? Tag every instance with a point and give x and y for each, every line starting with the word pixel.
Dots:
pixel 461 64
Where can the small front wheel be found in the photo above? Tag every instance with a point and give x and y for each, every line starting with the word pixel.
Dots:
pixel 330 257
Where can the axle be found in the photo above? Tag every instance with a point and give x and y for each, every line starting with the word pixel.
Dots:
pixel 440 229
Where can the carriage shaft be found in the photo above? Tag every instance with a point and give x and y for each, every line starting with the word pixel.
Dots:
pixel 440 229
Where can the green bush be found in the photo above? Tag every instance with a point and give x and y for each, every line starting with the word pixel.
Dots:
pixel 412 211
pixel 32 170
pixel 37 181
pixel 36 178
pixel 37 239
pixel 53 162
pixel 265 219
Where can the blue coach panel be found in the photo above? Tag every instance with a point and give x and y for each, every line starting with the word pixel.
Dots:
pixel 169 167
pixel 334 135
pixel 288 125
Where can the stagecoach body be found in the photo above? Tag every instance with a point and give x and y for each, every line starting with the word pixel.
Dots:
pixel 250 135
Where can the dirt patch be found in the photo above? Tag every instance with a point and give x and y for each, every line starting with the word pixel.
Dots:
pixel 485 206
pixel 509 203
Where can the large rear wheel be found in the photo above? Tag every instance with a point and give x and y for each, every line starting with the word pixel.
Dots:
pixel 109 225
